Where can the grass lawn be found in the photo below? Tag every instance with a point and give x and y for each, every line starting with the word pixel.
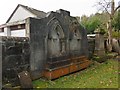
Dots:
pixel 98 75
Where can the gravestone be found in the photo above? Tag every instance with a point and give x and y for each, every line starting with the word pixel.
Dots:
pixel 115 45
pixel 62 41
pixel 99 45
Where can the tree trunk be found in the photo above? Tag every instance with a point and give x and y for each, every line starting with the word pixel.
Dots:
pixel 109 26
pixel 109 43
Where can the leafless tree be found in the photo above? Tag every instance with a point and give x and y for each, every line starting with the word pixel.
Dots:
pixel 109 7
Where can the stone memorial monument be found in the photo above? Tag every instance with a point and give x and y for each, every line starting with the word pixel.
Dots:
pixel 99 44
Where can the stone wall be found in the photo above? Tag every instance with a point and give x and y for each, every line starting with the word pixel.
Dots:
pixel 14 57
pixel 91 45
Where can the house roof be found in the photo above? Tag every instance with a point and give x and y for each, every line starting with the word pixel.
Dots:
pixel 38 13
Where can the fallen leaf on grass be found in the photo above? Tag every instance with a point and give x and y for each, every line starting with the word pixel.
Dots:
pixel 107 85
pixel 37 87
pixel 101 82
pixel 95 71
pixel 110 81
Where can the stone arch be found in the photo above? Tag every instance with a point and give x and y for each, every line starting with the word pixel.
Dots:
pixel 56 31
pixel 55 45
pixel 75 38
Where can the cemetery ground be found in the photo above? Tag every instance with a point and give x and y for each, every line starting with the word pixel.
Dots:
pixel 98 75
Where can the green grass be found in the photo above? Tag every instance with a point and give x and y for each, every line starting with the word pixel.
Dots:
pixel 99 75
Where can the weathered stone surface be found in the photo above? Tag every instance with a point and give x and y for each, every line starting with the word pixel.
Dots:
pixel 91 48
pixel 99 45
pixel 15 57
pixel 25 80
pixel 54 37
pixel 115 45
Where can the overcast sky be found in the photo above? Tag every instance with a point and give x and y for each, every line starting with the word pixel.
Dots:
pixel 76 7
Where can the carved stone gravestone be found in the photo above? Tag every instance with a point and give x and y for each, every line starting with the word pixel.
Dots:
pixel 56 42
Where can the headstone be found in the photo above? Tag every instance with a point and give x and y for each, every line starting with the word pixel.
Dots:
pixel 99 45
pixel 25 80
pixel 115 45
pixel 62 37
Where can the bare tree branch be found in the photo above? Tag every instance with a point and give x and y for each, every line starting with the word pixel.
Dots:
pixel 109 6
pixel 117 8
pixel 106 9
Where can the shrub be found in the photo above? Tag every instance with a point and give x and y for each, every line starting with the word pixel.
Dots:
pixel 115 34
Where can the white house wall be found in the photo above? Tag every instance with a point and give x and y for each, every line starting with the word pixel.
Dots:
pixel 18 33
pixel 2 34
pixel 21 14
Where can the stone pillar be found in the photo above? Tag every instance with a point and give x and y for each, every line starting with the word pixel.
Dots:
pixel 99 45
pixel 7 31
pixel 27 27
